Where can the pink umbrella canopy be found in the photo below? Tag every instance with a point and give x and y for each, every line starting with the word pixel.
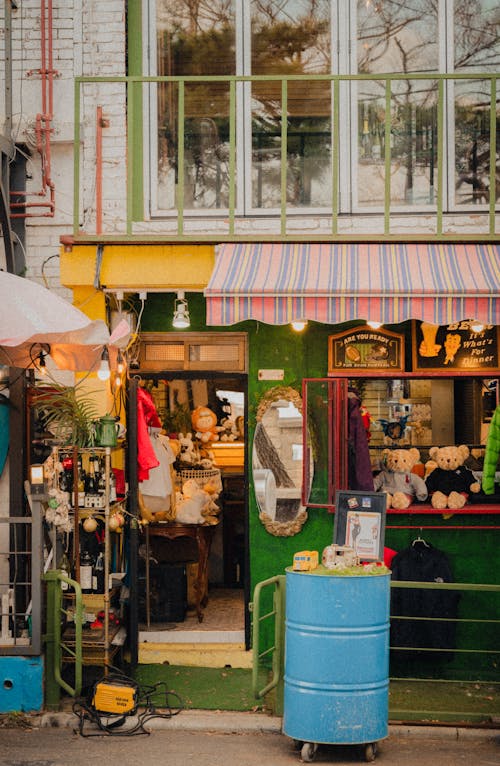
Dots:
pixel 34 319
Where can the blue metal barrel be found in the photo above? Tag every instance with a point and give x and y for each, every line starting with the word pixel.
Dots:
pixel 336 658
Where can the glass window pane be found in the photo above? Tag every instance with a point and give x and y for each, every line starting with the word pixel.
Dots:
pixel 393 37
pixel 413 143
pixel 397 37
pixel 472 143
pixel 477 35
pixel 477 49
pixel 291 37
pixel 195 39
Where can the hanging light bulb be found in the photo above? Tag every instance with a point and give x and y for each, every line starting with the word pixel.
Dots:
pixel 42 367
pixel 181 312
pixel 299 324
pixel 104 372
pixel 476 326
pixel 374 325
pixel 120 364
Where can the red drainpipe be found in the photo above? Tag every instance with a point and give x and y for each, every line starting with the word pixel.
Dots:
pixel 43 120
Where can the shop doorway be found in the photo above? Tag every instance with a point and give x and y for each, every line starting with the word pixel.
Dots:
pixel 169 568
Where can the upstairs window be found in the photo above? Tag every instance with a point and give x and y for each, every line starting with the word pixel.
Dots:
pixel 320 37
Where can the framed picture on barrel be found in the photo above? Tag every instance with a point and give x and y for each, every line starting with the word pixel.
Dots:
pixel 360 523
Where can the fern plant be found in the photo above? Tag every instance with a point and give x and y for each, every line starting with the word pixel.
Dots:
pixel 67 413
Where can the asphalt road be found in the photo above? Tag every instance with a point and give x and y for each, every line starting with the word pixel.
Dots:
pixel 204 747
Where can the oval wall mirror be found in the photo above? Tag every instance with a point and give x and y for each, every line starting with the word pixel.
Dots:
pixel 277 461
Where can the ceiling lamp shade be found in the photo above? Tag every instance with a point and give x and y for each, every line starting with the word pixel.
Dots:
pixel 181 312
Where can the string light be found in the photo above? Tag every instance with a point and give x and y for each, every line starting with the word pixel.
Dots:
pixel 42 367
pixel 120 364
pixel 38 357
pixel 299 324
pixel 103 373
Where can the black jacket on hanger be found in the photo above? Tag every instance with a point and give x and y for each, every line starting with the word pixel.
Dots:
pixel 421 562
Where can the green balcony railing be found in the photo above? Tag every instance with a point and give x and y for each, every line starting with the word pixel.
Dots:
pixel 170 162
pixel 428 684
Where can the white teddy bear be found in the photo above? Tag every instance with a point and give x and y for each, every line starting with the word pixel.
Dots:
pixel 191 503
pixel 196 505
pixel 187 452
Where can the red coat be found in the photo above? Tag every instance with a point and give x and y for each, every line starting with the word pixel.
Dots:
pixel 147 418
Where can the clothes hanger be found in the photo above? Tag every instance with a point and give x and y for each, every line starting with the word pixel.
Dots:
pixel 421 540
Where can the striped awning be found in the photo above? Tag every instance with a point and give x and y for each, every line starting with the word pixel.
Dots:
pixel 333 283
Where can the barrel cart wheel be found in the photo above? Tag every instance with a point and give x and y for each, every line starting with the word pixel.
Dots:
pixel 308 751
pixel 370 751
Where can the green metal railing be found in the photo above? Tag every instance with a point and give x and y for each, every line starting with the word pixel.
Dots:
pixel 275 619
pixel 269 651
pixel 57 651
pixel 225 226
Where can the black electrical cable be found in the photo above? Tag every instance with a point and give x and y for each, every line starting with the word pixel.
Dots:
pixel 110 723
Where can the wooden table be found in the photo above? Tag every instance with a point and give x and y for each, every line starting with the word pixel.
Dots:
pixel 202 534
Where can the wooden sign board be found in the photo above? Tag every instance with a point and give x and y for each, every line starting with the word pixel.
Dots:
pixel 455 347
pixel 364 349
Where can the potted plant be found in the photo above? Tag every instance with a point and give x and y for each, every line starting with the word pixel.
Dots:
pixel 68 413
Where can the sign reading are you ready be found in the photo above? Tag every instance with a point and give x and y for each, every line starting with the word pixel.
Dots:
pixel 362 348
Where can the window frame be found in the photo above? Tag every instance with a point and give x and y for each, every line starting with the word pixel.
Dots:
pixel 343 17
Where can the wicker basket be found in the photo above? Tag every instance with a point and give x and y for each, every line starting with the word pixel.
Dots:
pixel 202 476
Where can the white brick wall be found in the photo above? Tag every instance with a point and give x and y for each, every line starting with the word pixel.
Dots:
pixel 88 39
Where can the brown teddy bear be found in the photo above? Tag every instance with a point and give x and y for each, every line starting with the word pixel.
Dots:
pixel 398 480
pixel 450 482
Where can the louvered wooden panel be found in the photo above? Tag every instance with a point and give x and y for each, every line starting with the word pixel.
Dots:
pixel 218 352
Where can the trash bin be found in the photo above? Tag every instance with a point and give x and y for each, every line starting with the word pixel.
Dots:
pixel 336 660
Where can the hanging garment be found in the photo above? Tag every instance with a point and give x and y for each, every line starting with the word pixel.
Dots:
pixel 491 454
pixel 147 418
pixel 360 476
pixel 421 562
pixel 159 483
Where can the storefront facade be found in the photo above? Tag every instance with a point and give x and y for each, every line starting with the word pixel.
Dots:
pixel 453 404
pixel 374 200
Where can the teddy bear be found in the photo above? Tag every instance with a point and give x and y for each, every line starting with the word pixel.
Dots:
pixel 204 422
pixel 450 482
pixel 195 505
pixel 398 480
pixel 190 503
pixel 229 432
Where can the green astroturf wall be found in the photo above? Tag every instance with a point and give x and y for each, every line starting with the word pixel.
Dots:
pixel 473 554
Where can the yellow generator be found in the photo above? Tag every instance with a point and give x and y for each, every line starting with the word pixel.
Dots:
pixel 115 697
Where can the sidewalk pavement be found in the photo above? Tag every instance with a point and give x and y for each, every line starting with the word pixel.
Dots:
pixel 244 723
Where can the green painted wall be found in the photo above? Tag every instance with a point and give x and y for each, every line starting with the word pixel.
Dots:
pixel 472 553
pixel 299 355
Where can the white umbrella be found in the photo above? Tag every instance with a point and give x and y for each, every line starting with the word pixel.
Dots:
pixel 34 319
